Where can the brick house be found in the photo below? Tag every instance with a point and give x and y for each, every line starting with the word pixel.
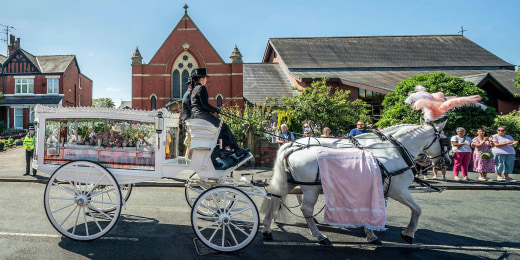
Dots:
pixel 27 80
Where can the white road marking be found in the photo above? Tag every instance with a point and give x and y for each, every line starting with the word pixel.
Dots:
pixel 397 245
pixel 13 234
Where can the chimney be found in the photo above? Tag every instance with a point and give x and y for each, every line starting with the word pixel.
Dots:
pixel 13 44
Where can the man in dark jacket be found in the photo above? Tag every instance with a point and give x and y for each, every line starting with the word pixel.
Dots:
pixel 200 108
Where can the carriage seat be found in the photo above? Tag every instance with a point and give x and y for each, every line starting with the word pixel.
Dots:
pixel 203 133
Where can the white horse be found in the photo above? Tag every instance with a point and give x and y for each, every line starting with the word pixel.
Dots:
pixel 304 167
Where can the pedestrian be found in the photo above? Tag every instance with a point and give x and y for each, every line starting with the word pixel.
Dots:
pixel 327 132
pixel 307 133
pixel 461 147
pixel 284 136
pixel 360 129
pixel 483 161
pixel 504 151
pixel 422 164
pixel 443 171
pixel 306 127
pixel 200 108
pixel 28 145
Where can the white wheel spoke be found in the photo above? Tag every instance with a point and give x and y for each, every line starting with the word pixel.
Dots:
pixel 234 203
pixel 63 222
pixel 240 211
pixel 95 220
pixel 60 198
pixel 206 217
pixel 216 203
pixel 102 212
pixel 241 230
pixel 101 192
pixel 95 185
pixel 223 235
pixel 73 193
pixel 214 233
pixel 71 184
pixel 214 212
pixel 103 202
pixel 243 220
pixel 64 207
pixel 209 225
pixel 76 222
pixel 232 235
pixel 85 220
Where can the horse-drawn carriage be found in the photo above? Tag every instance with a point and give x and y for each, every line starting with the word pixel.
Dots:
pixel 92 174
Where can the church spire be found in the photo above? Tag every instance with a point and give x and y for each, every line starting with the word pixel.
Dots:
pixel 137 58
pixel 236 56
pixel 185 9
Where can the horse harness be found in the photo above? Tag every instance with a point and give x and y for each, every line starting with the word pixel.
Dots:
pixel 385 174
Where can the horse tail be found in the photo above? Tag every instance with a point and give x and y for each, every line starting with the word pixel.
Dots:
pixel 278 185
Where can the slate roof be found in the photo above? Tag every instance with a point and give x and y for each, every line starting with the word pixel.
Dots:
pixel 12 100
pixel 388 80
pixel 47 63
pixel 426 51
pixel 265 79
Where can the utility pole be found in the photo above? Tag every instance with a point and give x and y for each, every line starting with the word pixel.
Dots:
pixel 462 30
pixel 6 40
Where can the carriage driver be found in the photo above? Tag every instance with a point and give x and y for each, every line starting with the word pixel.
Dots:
pixel 200 108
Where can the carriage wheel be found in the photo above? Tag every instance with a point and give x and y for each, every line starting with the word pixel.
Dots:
pixel 126 190
pixel 75 197
pixel 194 187
pixel 228 228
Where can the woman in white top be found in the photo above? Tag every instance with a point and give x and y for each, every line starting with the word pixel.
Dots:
pixel 504 152
pixel 461 146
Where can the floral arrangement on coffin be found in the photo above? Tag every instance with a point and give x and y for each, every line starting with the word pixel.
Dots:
pixel 130 138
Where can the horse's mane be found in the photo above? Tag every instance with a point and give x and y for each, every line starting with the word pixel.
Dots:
pixel 407 129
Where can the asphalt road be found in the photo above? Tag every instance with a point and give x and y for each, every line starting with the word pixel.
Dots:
pixel 156 225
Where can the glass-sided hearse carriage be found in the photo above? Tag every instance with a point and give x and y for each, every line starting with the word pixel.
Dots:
pixel 95 155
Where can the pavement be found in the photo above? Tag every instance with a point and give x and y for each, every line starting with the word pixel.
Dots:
pixel 12 168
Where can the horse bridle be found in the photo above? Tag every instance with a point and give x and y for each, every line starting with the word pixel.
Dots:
pixel 443 142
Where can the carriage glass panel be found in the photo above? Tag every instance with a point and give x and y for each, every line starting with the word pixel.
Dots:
pixel 118 144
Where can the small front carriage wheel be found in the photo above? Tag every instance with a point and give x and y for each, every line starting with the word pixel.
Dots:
pixel 233 223
pixel 75 199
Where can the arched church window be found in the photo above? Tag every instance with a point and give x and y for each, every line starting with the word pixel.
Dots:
pixel 184 64
pixel 153 103
pixel 219 100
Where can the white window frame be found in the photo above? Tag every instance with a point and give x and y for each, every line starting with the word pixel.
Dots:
pixel 17 117
pixel 31 115
pixel 53 81
pixel 19 82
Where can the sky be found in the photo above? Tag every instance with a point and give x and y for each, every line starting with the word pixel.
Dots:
pixel 103 34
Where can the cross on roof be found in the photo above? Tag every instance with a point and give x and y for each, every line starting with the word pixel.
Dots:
pixel 185 8
pixel 462 30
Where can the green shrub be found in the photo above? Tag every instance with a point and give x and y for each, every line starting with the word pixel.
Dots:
pixel 2 144
pixel 511 121
pixel 18 142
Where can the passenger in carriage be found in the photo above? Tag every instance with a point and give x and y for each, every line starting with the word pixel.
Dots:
pixel 200 108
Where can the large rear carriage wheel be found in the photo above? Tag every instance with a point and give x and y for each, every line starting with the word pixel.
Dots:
pixel 233 223
pixel 76 197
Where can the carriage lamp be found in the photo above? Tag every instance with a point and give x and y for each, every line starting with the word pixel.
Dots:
pixel 159 127
pixel 159 123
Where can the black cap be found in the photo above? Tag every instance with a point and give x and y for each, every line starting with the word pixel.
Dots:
pixel 31 127
pixel 200 72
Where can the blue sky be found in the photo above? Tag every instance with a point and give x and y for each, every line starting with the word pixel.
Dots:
pixel 103 34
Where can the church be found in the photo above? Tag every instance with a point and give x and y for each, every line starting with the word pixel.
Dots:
pixel 369 67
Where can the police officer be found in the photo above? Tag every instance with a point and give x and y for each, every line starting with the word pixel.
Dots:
pixel 28 145
pixel 200 108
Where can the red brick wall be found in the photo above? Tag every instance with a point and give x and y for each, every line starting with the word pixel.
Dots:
pixel 85 93
pixel 69 85
pixel 155 77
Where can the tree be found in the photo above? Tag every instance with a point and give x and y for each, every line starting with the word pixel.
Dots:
pixel 320 106
pixel 256 117
pixel 395 111
pixel 103 102
pixel 517 80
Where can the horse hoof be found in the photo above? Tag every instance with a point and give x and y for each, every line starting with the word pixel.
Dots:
pixel 407 239
pixel 325 242
pixel 376 242
pixel 267 235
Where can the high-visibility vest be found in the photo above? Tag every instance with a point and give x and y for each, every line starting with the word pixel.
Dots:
pixel 28 142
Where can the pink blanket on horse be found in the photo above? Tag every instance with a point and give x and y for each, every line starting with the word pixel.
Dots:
pixel 352 187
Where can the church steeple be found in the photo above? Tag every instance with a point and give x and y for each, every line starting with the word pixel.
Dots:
pixel 136 58
pixel 236 56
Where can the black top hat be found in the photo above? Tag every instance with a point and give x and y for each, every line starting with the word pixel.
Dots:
pixel 31 127
pixel 200 72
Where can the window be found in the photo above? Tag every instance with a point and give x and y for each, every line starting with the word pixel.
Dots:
pixel 18 118
pixel 153 99
pixel 24 86
pixel 53 85
pixel 31 114
pixel 182 68
pixel 374 100
pixel 219 100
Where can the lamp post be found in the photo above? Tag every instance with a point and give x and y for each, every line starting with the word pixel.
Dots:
pixel 159 127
